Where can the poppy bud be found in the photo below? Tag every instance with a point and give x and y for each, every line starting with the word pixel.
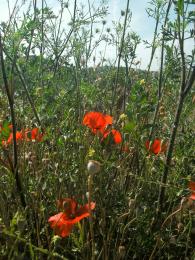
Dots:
pixel 122 13
pixel 93 166
pixel 180 226
pixel 121 252
pixel 87 195
pixel 173 240
pixel 131 203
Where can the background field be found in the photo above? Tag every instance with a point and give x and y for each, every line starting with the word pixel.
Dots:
pixel 57 65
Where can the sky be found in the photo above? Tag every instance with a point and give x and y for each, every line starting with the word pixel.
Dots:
pixel 140 23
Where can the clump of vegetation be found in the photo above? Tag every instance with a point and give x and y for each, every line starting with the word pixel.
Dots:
pixel 96 156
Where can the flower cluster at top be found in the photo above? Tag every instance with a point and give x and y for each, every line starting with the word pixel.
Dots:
pixel 71 213
pixel 98 123
pixel 23 135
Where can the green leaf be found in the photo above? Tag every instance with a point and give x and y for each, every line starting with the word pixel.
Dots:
pixel 129 127
pixel 5 130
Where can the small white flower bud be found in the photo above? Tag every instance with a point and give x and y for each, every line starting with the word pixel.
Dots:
pixel 87 195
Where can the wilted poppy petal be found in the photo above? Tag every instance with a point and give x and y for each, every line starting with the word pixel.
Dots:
pixel 192 185
pixel 125 148
pixel 147 144
pixel 84 209
pixel 192 196
pixel 163 147
pixel 82 212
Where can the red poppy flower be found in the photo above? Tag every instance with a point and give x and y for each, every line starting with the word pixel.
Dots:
pixel 192 188
pixel 156 146
pixel 10 138
pixel 36 135
pixel 63 222
pixel 97 121
pixel 19 136
pixel 25 134
pixel 116 135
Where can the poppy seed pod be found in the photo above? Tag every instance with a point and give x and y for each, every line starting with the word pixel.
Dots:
pixel 93 166
pixel 121 252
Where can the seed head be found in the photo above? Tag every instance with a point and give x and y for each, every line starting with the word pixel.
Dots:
pixel 93 166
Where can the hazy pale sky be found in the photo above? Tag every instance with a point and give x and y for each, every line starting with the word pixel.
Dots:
pixel 141 23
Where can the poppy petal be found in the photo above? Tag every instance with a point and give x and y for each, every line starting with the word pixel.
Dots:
pixel 36 135
pixel 192 185
pixel 19 135
pixel 82 212
pixel 117 136
pixel 96 121
pixel 108 119
pixel 68 205
pixel 192 196
pixel 147 144
pixel 84 209
pixel 156 146
pixel 63 222
pixel 60 225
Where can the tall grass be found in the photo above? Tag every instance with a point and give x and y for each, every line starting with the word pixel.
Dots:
pixel 51 76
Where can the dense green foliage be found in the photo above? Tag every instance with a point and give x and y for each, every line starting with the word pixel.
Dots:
pixel 54 79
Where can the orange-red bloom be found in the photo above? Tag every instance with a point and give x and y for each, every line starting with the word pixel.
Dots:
pixel 19 136
pixel 25 135
pixel 63 222
pixel 156 146
pixel 116 135
pixel 33 135
pixel 192 188
pixel 36 135
pixel 97 121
